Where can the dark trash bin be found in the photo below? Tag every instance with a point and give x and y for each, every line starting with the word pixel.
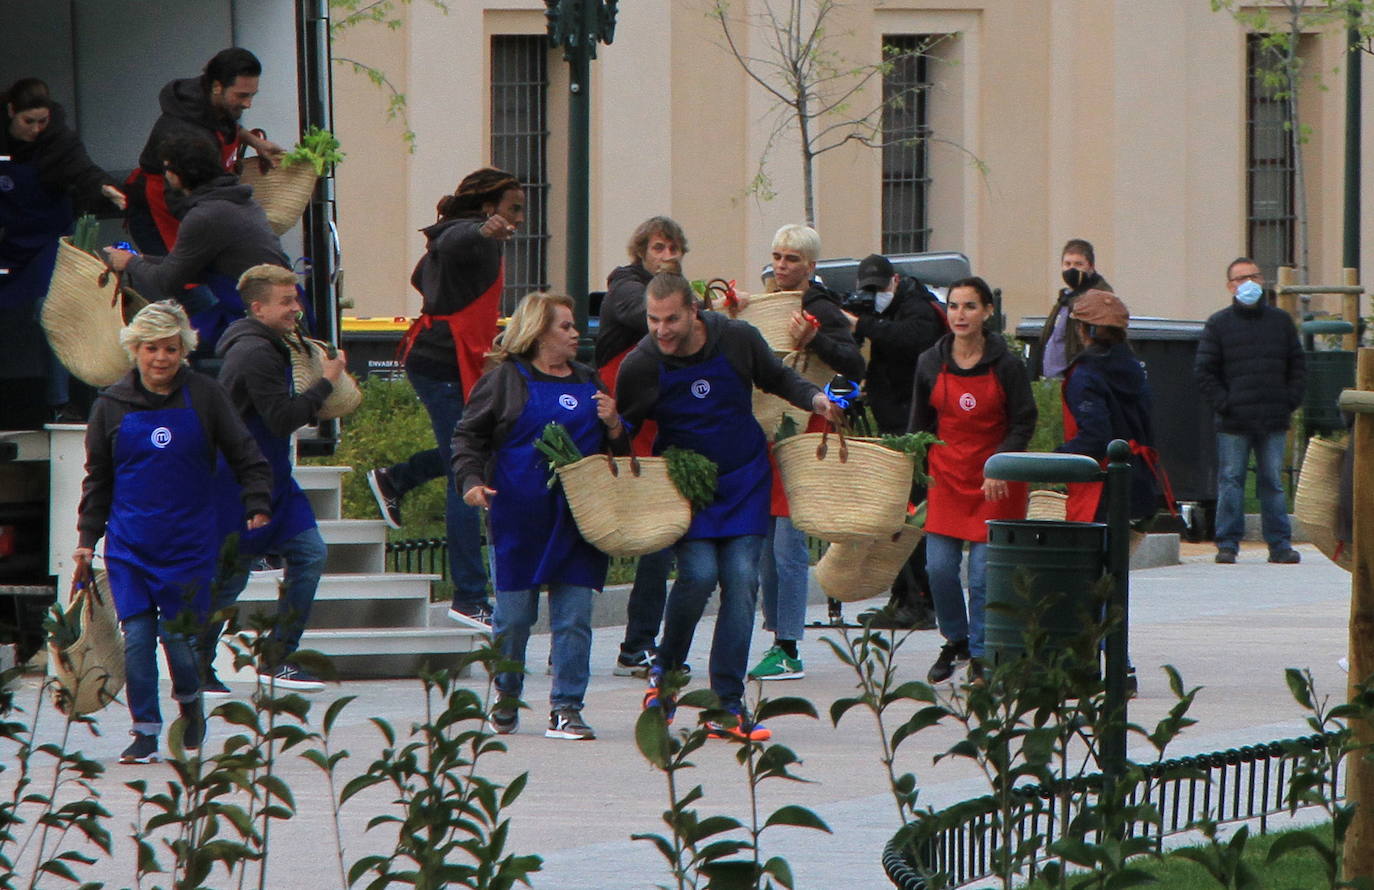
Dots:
pixel 1062 563
pixel 1328 372
pixel 371 345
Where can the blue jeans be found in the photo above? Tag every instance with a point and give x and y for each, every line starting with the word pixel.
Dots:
pixel 784 573
pixel 644 610
pixel 701 563
pixel 141 633
pixel 304 555
pixel 443 399
pixel 570 620
pixel 1233 457
pixel 943 556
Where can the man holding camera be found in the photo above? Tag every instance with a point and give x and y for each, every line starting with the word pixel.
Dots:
pixel 900 318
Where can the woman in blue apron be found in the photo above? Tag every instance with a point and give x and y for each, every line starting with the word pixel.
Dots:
pixel 534 538
pixel 43 166
pixel 151 445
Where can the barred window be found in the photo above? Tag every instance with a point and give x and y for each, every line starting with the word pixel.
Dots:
pixel 519 144
pixel 906 161
pixel 1271 218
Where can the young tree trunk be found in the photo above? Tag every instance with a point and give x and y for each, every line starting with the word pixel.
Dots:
pixel 808 159
pixel 1291 64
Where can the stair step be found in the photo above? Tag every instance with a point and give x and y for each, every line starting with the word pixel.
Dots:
pixel 262 587
pixel 312 478
pixel 353 531
pixel 352 600
pixel 391 652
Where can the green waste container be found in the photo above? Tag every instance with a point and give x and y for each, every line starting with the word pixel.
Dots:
pixel 1328 372
pixel 1062 563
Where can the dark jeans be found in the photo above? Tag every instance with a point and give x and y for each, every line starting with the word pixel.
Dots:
pixel 443 399
pixel 733 563
pixel 644 610
pixel 141 634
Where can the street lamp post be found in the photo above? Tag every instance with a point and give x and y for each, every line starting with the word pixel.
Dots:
pixel 578 26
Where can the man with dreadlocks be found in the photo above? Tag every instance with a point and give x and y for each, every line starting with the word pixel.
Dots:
pixel 461 276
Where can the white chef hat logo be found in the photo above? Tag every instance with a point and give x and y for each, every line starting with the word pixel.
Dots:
pixel 968 402
pixel 161 437
pixel 568 401
pixel 701 388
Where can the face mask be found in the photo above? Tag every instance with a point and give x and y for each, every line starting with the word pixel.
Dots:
pixel 1249 293
pixel 881 300
pixel 1074 278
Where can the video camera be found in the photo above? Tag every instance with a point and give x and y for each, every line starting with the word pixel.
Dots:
pixel 859 302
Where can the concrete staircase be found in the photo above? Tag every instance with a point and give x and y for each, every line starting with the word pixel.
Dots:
pixel 371 622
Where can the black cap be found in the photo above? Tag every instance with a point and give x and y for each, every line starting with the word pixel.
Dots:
pixel 875 272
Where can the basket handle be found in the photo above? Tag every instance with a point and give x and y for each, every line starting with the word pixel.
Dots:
pixel 824 447
pixel 104 278
pixel 614 467
pixel 263 163
pixel 634 465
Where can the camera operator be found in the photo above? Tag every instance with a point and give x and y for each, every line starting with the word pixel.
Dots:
pixel 901 318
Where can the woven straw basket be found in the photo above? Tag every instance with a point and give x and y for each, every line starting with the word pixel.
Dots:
pixel 769 410
pixel 83 313
pixel 1049 505
pixel 771 314
pixel 625 506
pixel 90 672
pixel 307 369
pixel 858 489
pixel 857 570
pixel 283 191
pixel 1318 497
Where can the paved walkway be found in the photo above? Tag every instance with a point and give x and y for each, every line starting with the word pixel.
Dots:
pixel 1231 629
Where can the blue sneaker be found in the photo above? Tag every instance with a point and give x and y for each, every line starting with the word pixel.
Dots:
pixel 655 698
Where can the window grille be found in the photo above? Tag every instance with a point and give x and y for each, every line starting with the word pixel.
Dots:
pixel 519 144
pixel 906 160
pixel 1271 218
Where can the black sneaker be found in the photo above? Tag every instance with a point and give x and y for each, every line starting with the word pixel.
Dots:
pixel 214 687
pixel 142 750
pixel 504 719
pixel 975 672
pixel 289 676
pixel 474 615
pixel 635 665
pixel 388 501
pixel 943 668
pixel 1286 557
pixel 567 723
pixel 193 723
pixel 1226 557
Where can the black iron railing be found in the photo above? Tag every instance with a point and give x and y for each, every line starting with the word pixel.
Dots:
pixel 424 556
pixel 1236 785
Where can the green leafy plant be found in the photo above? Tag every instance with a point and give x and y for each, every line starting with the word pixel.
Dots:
pixel 86 234
pixel 318 148
pixel 558 448
pixel 693 475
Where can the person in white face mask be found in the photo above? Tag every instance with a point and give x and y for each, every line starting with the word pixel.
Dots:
pixel 1250 367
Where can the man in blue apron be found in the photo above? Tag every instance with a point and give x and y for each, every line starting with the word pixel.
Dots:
pixel 694 376
pixel 257 374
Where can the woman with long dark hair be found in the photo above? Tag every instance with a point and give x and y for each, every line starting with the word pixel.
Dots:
pixel 975 394
pixel 461 276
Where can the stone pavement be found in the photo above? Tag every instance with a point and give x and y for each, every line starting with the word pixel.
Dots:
pixel 1231 629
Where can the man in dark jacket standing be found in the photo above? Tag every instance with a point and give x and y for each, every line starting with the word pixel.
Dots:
pixel 1059 341
pixel 257 374
pixel 208 107
pixel 1250 367
pixel 903 321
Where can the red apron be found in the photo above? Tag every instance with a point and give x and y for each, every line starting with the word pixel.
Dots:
pixel 642 445
pixel 155 190
pixel 777 499
pixel 972 422
pixel 1084 497
pixel 473 327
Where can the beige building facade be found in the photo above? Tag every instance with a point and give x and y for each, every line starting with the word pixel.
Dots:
pixel 1120 121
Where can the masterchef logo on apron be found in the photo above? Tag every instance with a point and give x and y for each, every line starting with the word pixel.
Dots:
pixel 568 401
pixel 161 437
pixel 701 388
pixel 968 402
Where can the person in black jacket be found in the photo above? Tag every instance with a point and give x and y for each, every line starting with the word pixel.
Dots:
pixel 206 107
pixel 657 245
pixel 1059 342
pixel 903 320
pixel 47 172
pixel 1250 366
pixel 461 277
pixel 223 233
pixel 257 374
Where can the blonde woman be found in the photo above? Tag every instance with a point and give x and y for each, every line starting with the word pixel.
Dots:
pixel 151 446
pixel 533 381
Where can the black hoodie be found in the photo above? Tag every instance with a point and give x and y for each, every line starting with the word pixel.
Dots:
pixel 186 111
pixel 223 432
pixel 257 374
pixel 460 264
pixel 623 319
pixel 222 230
pixel 997 359
pixel 64 168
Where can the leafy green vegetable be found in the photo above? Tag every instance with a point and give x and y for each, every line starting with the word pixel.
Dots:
pixel 63 627
pixel 558 448
pixel 320 148
pixel 917 517
pixel 693 475
pixel 915 445
pixel 787 428
pixel 85 234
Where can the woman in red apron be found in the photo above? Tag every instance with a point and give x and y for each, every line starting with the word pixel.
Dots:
pixel 537 544
pixel 461 277
pixel 974 394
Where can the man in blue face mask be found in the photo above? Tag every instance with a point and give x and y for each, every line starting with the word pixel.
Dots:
pixel 1250 367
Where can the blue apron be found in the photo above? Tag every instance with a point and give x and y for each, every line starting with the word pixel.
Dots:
pixel 211 321
pixel 291 510
pixel 160 548
pixel 536 539
pixel 31 220
pixel 709 409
